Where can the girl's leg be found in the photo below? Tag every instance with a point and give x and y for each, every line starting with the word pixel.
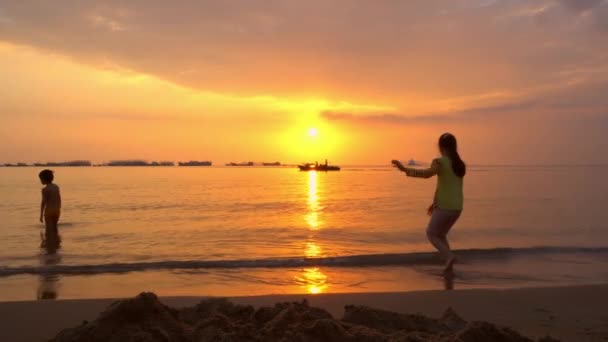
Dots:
pixel 451 258
pixel 439 243
pixel 439 226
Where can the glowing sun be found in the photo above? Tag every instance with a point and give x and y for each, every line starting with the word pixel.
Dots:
pixel 313 132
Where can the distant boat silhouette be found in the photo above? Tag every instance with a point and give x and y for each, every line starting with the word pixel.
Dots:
pixel 195 163
pixel 412 162
pixel 138 162
pixel 272 164
pixel 134 162
pixel 318 167
pixel 66 163
pixel 240 164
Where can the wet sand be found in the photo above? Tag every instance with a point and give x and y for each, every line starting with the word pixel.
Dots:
pixel 576 313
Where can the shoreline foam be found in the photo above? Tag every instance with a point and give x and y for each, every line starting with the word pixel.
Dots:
pixel 362 260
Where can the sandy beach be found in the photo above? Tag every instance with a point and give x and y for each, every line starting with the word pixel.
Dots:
pixel 577 313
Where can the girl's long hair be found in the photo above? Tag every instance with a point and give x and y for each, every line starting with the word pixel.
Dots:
pixel 447 143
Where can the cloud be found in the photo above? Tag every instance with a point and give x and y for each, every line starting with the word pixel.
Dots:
pixel 384 118
pixel 566 102
pixel 399 53
pixel 580 5
pixel 106 23
pixel 465 115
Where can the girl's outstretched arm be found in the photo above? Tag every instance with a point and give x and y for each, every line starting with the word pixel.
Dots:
pixel 398 165
pixel 422 173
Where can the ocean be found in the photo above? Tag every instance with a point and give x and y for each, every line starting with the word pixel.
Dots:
pixel 270 230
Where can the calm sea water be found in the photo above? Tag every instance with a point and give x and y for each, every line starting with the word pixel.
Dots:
pixel 238 231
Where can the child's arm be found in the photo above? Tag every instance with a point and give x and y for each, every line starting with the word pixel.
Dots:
pixel 42 205
pixel 398 165
pixel 420 173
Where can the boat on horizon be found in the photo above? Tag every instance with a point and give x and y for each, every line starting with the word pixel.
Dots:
pixel 196 163
pixel 16 165
pixel 71 163
pixel 272 164
pixel 240 164
pixel 138 162
pixel 318 167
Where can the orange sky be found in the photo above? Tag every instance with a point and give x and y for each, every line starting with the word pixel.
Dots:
pixel 516 81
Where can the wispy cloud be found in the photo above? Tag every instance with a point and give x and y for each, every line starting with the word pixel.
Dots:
pixel 477 113
pixel 581 5
pixel 106 23
pixel 575 100
pixel 387 51
pixel 384 118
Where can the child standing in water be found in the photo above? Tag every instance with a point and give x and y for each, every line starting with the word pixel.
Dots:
pixel 50 207
pixel 448 201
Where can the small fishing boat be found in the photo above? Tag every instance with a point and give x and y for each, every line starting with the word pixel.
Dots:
pixel 318 167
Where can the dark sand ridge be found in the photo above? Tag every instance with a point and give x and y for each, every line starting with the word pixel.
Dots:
pixel 577 313
pixel 145 318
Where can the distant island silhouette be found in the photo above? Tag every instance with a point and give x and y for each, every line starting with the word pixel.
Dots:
pixel 143 162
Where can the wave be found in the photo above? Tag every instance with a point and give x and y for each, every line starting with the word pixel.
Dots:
pixel 364 260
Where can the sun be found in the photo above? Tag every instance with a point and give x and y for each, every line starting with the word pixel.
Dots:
pixel 313 132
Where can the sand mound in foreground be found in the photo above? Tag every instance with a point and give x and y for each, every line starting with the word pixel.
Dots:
pixel 145 318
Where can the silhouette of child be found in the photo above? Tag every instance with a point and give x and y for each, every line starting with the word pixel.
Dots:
pixel 50 208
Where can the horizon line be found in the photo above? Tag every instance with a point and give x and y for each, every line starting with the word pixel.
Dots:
pixel 223 164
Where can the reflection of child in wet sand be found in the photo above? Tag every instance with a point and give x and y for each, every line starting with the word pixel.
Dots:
pixel 50 208
pixel 447 204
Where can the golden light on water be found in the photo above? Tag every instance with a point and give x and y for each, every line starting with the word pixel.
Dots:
pixel 313 280
pixel 312 250
pixel 312 216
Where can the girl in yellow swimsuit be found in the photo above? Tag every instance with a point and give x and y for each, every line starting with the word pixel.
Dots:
pixel 448 201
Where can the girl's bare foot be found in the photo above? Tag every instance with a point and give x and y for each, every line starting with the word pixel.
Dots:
pixel 449 267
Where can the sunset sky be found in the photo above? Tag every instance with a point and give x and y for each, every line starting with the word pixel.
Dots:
pixel 518 82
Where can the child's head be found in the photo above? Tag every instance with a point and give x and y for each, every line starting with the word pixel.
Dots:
pixel 447 143
pixel 46 176
pixel 449 148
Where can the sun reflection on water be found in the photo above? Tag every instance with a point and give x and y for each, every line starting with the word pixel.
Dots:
pixel 313 280
pixel 312 216
pixel 312 250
